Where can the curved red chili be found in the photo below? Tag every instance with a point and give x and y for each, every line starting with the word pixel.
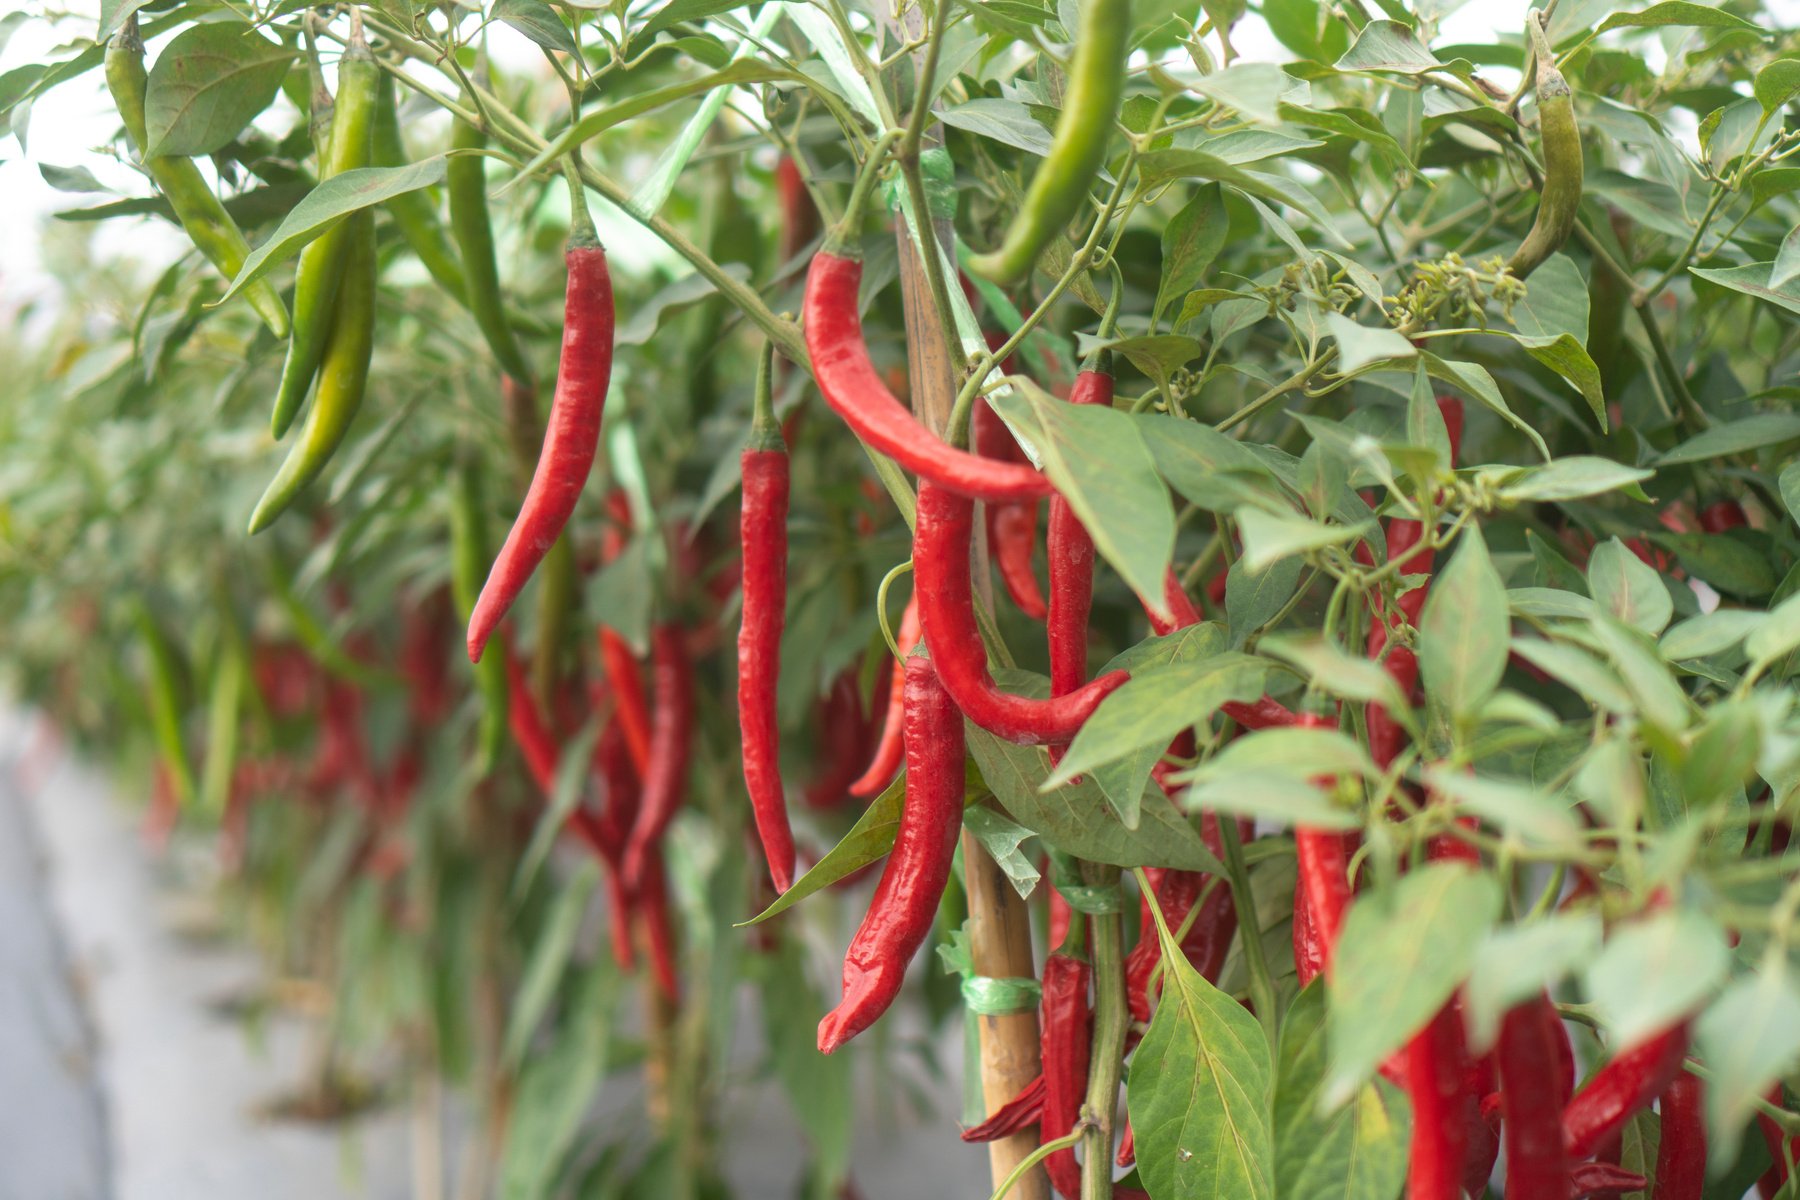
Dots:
pixel 1717 517
pixel 1065 1034
pixel 1015 1116
pixel 947 617
pixel 671 744
pixel 582 376
pixel 1621 1088
pixel 1589 1180
pixel 762 529
pixel 1071 554
pixel 1530 1068
pixel 888 751
pixel 612 763
pixel 855 391
pixel 905 903
pixel 1681 1146
pixel 1012 537
pixel 1266 713
pixel 1208 937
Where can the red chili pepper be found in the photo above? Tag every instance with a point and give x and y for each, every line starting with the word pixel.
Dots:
pixel 652 900
pixel 1265 713
pixel 1209 935
pixel 1622 1087
pixel 855 391
pixel 762 530
pixel 423 661
pixel 612 763
pixel 888 751
pixel 1681 1147
pixel 1011 528
pixel 947 617
pixel 1059 917
pixel 1071 554
pixel 1593 1179
pixel 845 731
pixel 1434 1072
pixel 536 743
pixel 905 904
pixel 1127 1146
pixel 581 380
pixel 799 216
pixel 1066 1031
pixel 1309 951
pixel 671 746
pixel 620 667
pixel 1781 1147
pixel 1182 612
pixel 1530 1070
pixel 1717 517
pixel 1017 1114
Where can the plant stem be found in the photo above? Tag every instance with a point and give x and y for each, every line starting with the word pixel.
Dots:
pixel 1106 939
pixel 1262 983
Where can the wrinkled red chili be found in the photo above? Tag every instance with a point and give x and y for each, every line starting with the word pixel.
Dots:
pixel 855 391
pixel 1071 554
pixel 671 745
pixel 1626 1084
pixel 904 906
pixel 582 376
pixel 1066 1031
pixel 1530 1067
pixel 1681 1145
pixel 941 541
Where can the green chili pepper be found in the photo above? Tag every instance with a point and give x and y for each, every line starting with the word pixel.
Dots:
pixel 1560 198
pixel 413 212
pixel 323 262
pixel 343 374
pixel 165 702
pixel 223 708
pixel 1078 148
pixel 202 216
pixel 465 177
pixel 555 608
pixel 469 558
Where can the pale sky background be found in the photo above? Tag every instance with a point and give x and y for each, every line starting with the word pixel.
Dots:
pixel 69 123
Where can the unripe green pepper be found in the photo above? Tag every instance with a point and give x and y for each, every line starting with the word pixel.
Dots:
pixel 1561 196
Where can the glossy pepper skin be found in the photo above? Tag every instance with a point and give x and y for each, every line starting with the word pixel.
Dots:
pixel 1011 528
pixel 1091 98
pixel 891 747
pixel 1434 1067
pixel 582 377
pixel 1065 1034
pixel 905 903
pixel 671 748
pixel 1071 554
pixel 855 391
pixel 762 536
pixel 1681 1147
pixel 941 541
pixel 196 207
pixel 1530 1067
pixel 322 277
pixel 343 376
pixel 1621 1088
pixel 621 669
pixel 1208 937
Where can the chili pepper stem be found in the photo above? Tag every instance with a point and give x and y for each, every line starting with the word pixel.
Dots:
pixel 1262 984
pixel 581 222
pixel 1111 1017
pixel 844 236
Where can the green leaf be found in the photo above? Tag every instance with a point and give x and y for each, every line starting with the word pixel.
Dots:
pixel 1251 89
pixel 1757 432
pixel 1463 629
pixel 1390 47
pixel 1271 796
pixel 1403 950
pixel 1478 383
pixel 1358 1152
pixel 1123 780
pixel 1516 962
pixel 1005 121
pixel 326 205
pixel 1660 700
pixel 869 840
pixel 207 85
pixel 1571 478
pixel 1551 604
pixel 554 1092
pixel 1355 123
pixel 1269 537
pixel 1710 633
pixel 1099 462
pixel 1584 674
pixel 1552 324
pixel 1517 808
pixel 549 959
pixel 1777 636
pixel 1347 676
pixel 1787 260
pixel 1213 470
pixel 1157 704
pixel 537 21
pixel 1676 12
pixel 1076 819
pixel 680 12
pixel 1753 280
pixel 1360 345
pixel 1790 489
pixel 1200 1091
pixel 1722 755
pixel 1190 241
pixel 1628 588
pixel 1654 972
pixel 1255 597
pixel 1001 839
pixel 1722 561
pixel 1749 1038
